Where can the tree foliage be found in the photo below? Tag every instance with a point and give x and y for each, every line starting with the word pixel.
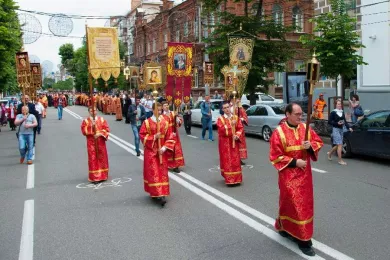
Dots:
pixel 337 43
pixel 48 83
pixel 64 85
pixel 77 65
pixel 10 43
pixel 271 48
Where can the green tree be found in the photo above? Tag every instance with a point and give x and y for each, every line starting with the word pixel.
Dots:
pixel 66 52
pixel 48 83
pixel 337 42
pixel 10 43
pixel 271 48
pixel 64 85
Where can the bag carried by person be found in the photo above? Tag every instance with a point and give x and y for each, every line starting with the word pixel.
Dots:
pixel 358 111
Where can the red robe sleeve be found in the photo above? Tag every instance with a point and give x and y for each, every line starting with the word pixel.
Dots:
pixel 86 127
pixel 243 116
pixel 277 156
pixel 316 144
pixel 145 135
pixel 168 141
pixel 239 128
pixel 102 127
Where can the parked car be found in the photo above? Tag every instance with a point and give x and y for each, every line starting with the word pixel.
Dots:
pixel 216 105
pixel 261 98
pixel 370 136
pixel 263 119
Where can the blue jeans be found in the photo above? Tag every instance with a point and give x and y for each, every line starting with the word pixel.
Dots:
pixel 59 109
pixel 354 118
pixel 136 137
pixel 39 127
pixel 26 140
pixel 207 124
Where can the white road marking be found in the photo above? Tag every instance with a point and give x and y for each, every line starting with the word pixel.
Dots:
pixel 318 170
pixel 26 251
pixel 195 137
pixel 231 211
pixel 30 176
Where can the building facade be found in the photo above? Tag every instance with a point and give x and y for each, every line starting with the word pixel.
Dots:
pixel 374 79
pixel 184 22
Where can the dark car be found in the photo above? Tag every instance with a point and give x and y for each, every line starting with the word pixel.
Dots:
pixel 370 136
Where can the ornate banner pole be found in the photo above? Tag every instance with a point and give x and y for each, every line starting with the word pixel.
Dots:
pixel 91 90
pixel 313 75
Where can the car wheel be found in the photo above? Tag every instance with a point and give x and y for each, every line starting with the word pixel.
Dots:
pixel 346 152
pixel 266 133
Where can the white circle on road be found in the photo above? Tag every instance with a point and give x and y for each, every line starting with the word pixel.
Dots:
pixel 113 183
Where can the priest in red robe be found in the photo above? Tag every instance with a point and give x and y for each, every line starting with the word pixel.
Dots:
pixel 177 159
pixel 240 112
pixel 97 163
pixel 157 140
pixel 229 131
pixel 290 154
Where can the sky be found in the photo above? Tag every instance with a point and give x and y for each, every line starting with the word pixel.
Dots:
pixel 46 47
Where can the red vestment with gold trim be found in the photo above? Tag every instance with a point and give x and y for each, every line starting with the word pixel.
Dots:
pixel 229 157
pixel 156 181
pixel 177 158
pixel 118 109
pixel 98 166
pixel 240 111
pixel 296 203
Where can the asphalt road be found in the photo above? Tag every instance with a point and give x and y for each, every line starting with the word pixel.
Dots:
pixel 50 212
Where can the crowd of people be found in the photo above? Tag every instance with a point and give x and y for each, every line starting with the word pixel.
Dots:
pixel 156 126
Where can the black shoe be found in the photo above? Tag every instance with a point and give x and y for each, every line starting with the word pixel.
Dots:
pixel 163 201
pixel 242 163
pixel 308 251
pixel 284 234
pixel 176 170
pixel 138 154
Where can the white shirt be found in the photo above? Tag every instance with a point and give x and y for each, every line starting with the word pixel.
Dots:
pixel 39 108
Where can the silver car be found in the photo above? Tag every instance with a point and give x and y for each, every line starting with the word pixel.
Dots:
pixel 263 119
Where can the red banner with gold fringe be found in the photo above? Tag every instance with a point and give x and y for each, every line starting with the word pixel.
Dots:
pixel 179 72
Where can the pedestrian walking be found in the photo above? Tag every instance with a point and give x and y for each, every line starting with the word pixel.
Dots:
pixel 156 138
pixel 136 115
pixel 11 116
pixel 31 109
pixel 40 110
pixel 291 155
pixel 207 123
pixel 186 108
pixel 339 125
pixel 229 131
pixel 355 108
pixel 319 107
pixel 61 104
pixel 177 159
pixel 25 134
pixel 241 114
pixel 96 130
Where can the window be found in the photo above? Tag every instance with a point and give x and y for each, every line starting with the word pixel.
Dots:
pixel 277 14
pixel 185 30
pixel 165 40
pixel 251 111
pixel 299 65
pixel 216 105
pixel 212 23
pixel 148 51
pixel 278 110
pixel 205 28
pixel 177 36
pixel 266 98
pixel 131 50
pixel 261 111
pixel 196 27
pixel 297 19
pixel 377 120
pixel 154 45
pixel 278 76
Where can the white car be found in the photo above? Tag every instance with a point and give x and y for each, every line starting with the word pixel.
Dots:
pixel 216 105
pixel 261 98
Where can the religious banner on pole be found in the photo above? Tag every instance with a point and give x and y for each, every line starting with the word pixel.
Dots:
pixel 208 73
pixel 36 74
pixel 22 67
pixel 241 50
pixel 179 72
pixel 103 51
